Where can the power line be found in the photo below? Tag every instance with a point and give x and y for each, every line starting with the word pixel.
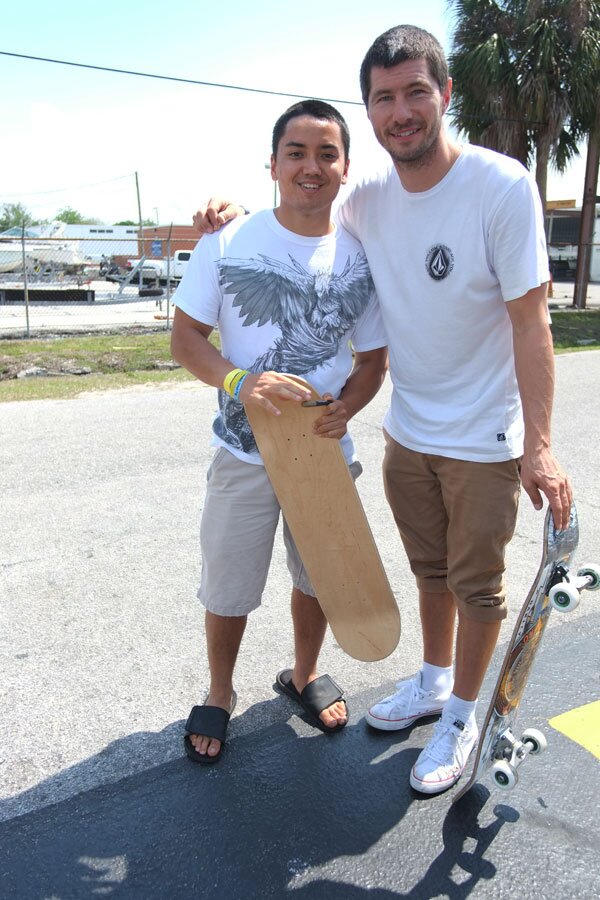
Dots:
pixel 78 187
pixel 231 87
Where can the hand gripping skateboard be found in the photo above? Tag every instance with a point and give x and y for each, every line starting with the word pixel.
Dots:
pixel 322 508
pixel 554 587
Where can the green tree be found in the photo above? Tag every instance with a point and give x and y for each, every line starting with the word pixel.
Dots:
pixel 71 216
pixel 14 214
pixel 526 77
pixel 131 222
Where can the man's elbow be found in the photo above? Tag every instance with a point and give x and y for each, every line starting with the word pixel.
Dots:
pixel 177 345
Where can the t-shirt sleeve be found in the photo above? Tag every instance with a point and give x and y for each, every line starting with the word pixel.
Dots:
pixel 517 241
pixel 345 214
pixel 199 293
pixel 369 333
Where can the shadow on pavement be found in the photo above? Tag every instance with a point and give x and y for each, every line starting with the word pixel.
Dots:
pixel 257 825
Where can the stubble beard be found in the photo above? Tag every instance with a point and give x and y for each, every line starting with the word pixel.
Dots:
pixel 421 156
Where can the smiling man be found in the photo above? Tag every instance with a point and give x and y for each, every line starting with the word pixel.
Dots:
pixel 454 237
pixel 288 291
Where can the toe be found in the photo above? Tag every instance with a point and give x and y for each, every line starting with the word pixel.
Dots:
pixel 205 745
pixel 214 747
pixel 334 715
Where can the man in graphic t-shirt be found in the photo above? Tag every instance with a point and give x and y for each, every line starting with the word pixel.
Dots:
pixel 291 294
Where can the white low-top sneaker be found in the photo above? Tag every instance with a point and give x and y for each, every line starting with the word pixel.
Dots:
pixel 444 757
pixel 409 703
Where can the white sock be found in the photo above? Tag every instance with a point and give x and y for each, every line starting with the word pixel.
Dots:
pixel 463 710
pixel 438 679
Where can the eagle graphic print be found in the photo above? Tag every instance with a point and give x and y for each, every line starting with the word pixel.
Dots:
pixel 314 312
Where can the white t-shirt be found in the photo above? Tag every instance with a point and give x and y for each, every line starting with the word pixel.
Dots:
pixel 282 302
pixel 444 262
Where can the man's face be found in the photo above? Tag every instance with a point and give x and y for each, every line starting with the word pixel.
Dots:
pixel 405 108
pixel 310 164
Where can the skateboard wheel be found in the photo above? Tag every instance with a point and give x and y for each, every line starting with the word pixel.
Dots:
pixel 591 571
pixel 536 740
pixel 564 597
pixel 504 775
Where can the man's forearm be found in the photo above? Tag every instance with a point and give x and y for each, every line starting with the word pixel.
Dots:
pixel 364 381
pixel 534 366
pixel 195 353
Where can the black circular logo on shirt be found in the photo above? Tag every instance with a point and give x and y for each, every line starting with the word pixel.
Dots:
pixel 439 262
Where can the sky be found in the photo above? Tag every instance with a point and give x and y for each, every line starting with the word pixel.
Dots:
pixel 75 137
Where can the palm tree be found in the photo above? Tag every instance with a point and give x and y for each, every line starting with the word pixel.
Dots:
pixel 527 74
pixel 485 100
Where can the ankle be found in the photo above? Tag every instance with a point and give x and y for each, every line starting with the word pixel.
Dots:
pixel 437 679
pixel 302 677
pixel 463 710
pixel 219 696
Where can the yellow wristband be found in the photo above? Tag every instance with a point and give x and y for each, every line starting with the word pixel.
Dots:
pixel 232 378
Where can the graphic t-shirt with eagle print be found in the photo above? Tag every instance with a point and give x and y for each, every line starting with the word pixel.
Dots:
pixel 281 302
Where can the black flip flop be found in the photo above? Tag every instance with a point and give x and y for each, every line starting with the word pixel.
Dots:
pixel 316 696
pixel 210 721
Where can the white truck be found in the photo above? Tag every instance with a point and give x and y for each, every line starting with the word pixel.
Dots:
pixel 159 269
pixel 563 235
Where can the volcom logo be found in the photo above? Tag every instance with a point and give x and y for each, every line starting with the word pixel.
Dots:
pixel 439 262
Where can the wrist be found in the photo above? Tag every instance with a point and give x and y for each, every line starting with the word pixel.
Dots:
pixel 232 380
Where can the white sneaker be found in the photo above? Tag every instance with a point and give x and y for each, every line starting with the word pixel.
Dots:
pixel 404 707
pixel 444 757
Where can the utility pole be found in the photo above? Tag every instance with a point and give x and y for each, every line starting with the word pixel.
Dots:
pixel 588 215
pixel 141 249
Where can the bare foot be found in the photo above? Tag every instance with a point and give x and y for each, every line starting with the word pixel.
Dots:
pixel 207 745
pixel 333 715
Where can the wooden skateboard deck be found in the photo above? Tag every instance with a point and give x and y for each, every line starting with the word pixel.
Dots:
pixel 322 508
pixel 498 748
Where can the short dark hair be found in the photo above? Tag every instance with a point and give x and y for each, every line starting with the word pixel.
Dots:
pixel 316 109
pixel 399 44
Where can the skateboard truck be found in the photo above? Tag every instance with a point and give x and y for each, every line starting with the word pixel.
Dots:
pixel 565 595
pixel 511 752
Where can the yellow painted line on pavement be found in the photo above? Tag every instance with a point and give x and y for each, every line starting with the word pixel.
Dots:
pixel 581 725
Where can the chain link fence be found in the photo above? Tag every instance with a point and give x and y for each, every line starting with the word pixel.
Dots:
pixel 59 285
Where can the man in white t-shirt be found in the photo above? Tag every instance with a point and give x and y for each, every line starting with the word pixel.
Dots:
pixel 455 242
pixel 290 292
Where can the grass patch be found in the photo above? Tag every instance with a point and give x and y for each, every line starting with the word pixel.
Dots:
pixel 131 358
pixel 102 353
pixel 116 361
pixel 576 330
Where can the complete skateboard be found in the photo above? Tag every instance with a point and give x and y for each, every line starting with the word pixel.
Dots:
pixel 322 508
pixel 554 588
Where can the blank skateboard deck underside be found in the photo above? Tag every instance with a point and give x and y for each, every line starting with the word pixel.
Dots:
pixel 320 503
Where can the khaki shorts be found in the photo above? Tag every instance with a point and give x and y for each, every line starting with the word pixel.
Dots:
pixel 455 519
pixel 237 532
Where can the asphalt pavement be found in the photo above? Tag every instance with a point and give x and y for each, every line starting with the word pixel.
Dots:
pixel 102 656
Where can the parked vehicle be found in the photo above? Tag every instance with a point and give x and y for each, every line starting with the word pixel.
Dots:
pixel 563 237
pixel 160 269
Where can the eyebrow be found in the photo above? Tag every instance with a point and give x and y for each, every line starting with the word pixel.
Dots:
pixel 416 82
pixel 301 145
